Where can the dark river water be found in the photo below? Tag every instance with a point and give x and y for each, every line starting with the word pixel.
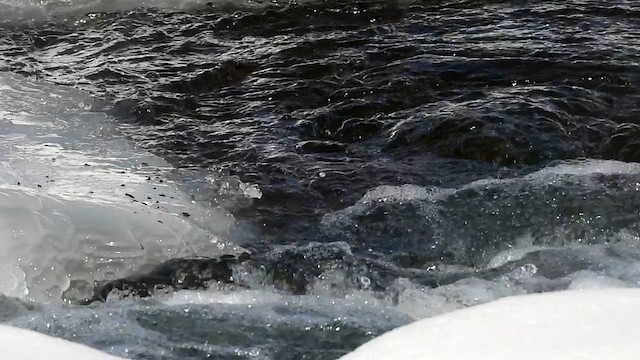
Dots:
pixel 387 160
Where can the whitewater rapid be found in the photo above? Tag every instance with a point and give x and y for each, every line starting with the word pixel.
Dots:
pixel 384 162
pixel 80 204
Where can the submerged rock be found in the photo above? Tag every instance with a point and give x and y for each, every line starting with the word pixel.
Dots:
pixel 291 268
pixel 176 274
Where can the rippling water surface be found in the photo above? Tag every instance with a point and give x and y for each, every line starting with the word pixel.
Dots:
pixel 392 159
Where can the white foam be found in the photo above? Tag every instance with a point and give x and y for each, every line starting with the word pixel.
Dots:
pixel 21 344
pixel 402 193
pixel 238 297
pixel 355 308
pixel 523 246
pixel 442 215
pixel 391 194
pixel 575 169
pixel 570 325
pixel 589 167
pixel 586 280
pixel 420 302
pixel 578 170
pixel 77 201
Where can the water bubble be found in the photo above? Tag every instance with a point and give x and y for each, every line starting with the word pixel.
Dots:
pixel 254 352
pixel 523 272
pixel 365 281
pixel 251 191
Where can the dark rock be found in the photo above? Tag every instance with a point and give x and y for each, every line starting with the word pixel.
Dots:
pixel 176 274
pixel 295 267
pixel 290 268
pixel 316 146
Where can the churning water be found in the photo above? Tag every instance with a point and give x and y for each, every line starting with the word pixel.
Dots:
pixel 380 160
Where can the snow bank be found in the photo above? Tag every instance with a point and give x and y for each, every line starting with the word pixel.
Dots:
pixel 20 344
pixel 589 324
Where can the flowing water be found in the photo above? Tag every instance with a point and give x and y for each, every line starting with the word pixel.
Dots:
pixel 383 160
